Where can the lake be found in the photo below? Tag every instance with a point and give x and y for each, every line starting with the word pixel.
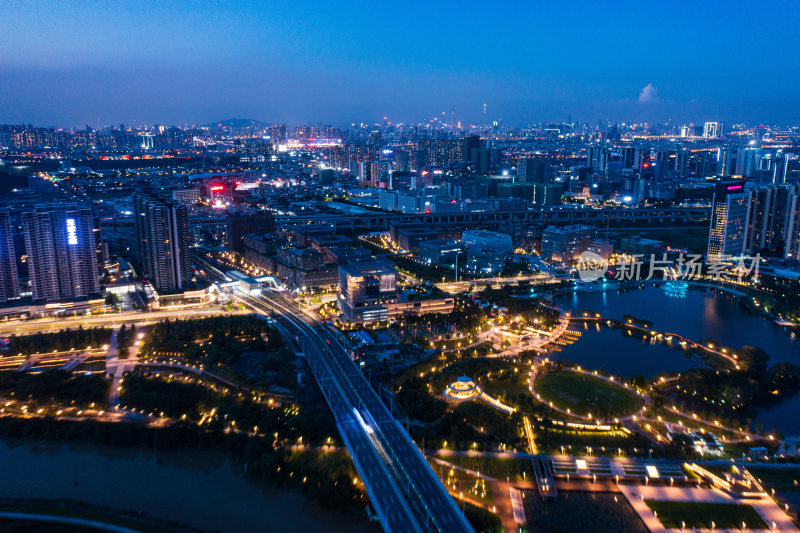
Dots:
pixel 600 347
pixel 700 314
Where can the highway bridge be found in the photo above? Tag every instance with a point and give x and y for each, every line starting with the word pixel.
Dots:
pixel 405 491
pixel 380 220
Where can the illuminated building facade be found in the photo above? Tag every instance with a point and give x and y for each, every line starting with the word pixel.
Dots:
pixel 365 290
pixel 726 236
pixel 62 253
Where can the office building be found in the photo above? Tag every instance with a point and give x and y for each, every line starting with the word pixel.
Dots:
pixel 62 252
pixel 9 280
pixel 368 292
pixel 547 193
pixel 326 176
pixel 726 236
pixel 476 240
pixel 365 290
pixel 440 251
pixel 564 244
pixel 473 142
pixel 712 130
pixel 162 235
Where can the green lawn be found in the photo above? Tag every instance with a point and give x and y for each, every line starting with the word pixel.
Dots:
pixel 583 394
pixel 496 467
pixel 700 515
pixel 583 512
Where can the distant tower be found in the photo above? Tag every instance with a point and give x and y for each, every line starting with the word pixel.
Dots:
pixel 484 111
pixel 452 117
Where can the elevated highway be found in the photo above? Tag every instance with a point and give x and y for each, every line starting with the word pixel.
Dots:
pixel 405 491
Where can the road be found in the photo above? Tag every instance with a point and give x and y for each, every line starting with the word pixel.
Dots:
pixel 43 325
pixel 456 287
pixel 405 491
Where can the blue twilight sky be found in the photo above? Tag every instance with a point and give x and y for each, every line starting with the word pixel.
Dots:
pixel 69 63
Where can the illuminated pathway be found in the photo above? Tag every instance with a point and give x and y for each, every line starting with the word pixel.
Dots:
pixel 632 417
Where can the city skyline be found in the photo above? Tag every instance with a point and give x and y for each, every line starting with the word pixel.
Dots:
pixel 186 63
pixel 411 267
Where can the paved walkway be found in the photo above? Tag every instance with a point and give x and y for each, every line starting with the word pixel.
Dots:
pixel 636 494
pixel 116 367
pixel 537 344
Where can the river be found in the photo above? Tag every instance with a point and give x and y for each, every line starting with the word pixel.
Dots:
pixel 203 489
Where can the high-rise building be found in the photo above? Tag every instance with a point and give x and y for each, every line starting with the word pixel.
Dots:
pixel 470 143
pixel 9 280
pixel 712 130
pixel 791 248
pixel 531 170
pixel 547 193
pixel 162 235
pixel 62 252
pixel 726 236
pixel 366 290
pixel 241 225
pixel 772 219
pixel 564 244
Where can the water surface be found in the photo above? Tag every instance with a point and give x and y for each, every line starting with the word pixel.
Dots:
pixel 200 488
pixel 700 314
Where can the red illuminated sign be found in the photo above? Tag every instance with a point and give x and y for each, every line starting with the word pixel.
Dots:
pixel 217 188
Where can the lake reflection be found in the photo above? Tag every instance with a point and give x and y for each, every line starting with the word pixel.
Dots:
pixel 700 314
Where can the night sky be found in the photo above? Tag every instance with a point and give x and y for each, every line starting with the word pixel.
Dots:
pixel 71 63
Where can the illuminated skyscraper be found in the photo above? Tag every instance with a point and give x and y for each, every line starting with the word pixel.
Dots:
pixel 726 236
pixel 62 252
pixel 162 235
pixel 712 130
pixel 9 281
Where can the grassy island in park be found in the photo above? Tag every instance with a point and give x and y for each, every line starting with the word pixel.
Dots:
pixel 584 394
pixel 672 514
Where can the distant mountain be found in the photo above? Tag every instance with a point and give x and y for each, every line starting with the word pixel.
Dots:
pixel 237 123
